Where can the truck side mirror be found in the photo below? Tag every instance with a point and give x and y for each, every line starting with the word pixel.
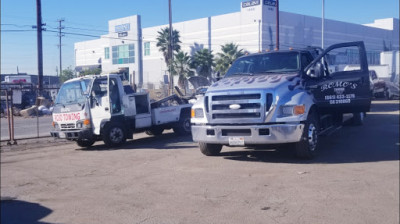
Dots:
pixel 316 70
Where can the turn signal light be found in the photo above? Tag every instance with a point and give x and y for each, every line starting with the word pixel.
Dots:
pixel 299 109
pixel 192 113
pixel 86 122
pixel 54 124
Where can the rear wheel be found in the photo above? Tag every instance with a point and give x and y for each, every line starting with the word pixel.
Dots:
pixel 114 135
pixel 210 149
pixel 307 147
pixel 183 127
pixel 85 143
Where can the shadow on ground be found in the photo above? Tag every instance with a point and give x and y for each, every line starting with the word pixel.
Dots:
pixel 16 211
pixel 376 140
pixel 165 141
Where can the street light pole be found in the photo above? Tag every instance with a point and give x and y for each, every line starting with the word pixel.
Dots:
pixel 171 51
pixel 277 24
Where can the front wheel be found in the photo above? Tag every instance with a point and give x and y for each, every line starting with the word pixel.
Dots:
pixel 307 147
pixel 210 149
pixel 85 143
pixel 358 118
pixel 114 135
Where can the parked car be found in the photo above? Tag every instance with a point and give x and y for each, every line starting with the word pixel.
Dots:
pixel 377 85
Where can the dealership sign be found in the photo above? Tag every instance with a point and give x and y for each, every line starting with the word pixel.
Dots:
pixel 270 2
pixel 122 28
pixel 250 3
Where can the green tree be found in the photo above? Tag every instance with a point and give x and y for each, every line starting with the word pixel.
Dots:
pixel 93 71
pixel 203 62
pixel 182 67
pixel 229 53
pixel 163 44
pixel 67 74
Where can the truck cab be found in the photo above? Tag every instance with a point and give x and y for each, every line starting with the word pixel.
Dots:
pixel 281 97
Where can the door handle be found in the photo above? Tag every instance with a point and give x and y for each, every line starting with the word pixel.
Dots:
pixel 313 87
pixel 106 108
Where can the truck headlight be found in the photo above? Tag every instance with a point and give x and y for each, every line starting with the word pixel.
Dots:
pixel 292 110
pixel 197 113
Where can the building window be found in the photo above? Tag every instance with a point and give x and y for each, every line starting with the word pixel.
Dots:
pixel 106 53
pixel 123 54
pixel 146 48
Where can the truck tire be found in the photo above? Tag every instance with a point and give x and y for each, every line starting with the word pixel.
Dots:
pixel 114 135
pixel 155 131
pixel 183 127
pixel 358 118
pixel 210 149
pixel 307 147
pixel 85 143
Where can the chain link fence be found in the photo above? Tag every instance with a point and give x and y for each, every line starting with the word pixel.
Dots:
pixel 25 113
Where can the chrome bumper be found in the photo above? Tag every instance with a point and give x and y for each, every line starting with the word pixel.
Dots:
pixel 253 134
pixel 73 134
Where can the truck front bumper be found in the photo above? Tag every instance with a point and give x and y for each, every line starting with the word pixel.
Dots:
pixel 251 134
pixel 73 134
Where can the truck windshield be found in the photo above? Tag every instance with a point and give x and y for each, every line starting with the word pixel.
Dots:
pixel 73 92
pixel 276 62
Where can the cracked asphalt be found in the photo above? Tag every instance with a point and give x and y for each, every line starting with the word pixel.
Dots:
pixel 165 179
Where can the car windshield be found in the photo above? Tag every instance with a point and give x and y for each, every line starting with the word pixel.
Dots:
pixel 277 62
pixel 73 92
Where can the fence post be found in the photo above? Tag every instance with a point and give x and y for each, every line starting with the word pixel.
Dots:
pixel 13 141
pixel 8 119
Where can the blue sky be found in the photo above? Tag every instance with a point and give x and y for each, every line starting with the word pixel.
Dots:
pixel 91 17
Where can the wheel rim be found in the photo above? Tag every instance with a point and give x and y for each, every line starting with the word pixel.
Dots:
pixel 116 135
pixel 186 125
pixel 312 136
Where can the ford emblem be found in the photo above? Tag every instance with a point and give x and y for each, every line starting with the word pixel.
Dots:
pixel 234 106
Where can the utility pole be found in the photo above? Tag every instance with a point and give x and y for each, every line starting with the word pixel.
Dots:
pixel 277 24
pixel 323 24
pixel 39 28
pixel 60 35
pixel 171 50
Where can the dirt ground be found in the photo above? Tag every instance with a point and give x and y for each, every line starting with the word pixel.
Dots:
pixel 165 179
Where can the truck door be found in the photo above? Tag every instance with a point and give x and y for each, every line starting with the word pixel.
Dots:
pixel 100 103
pixel 339 79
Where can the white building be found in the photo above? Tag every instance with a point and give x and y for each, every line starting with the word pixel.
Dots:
pixel 130 49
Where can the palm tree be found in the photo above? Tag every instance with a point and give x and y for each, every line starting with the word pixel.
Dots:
pixel 163 43
pixel 229 54
pixel 182 68
pixel 203 61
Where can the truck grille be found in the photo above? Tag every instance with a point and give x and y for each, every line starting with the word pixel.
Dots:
pixel 67 126
pixel 238 108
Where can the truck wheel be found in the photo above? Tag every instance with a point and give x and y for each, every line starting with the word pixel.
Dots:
pixel 155 131
pixel 210 149
pixel 114 135
pixel 358 118
pixel 307 147
pixel 85 143
pixel 183 127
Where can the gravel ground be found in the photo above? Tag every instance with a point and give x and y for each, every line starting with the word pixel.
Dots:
pixel 166 179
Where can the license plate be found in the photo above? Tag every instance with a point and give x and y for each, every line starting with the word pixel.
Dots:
pixel 236 141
